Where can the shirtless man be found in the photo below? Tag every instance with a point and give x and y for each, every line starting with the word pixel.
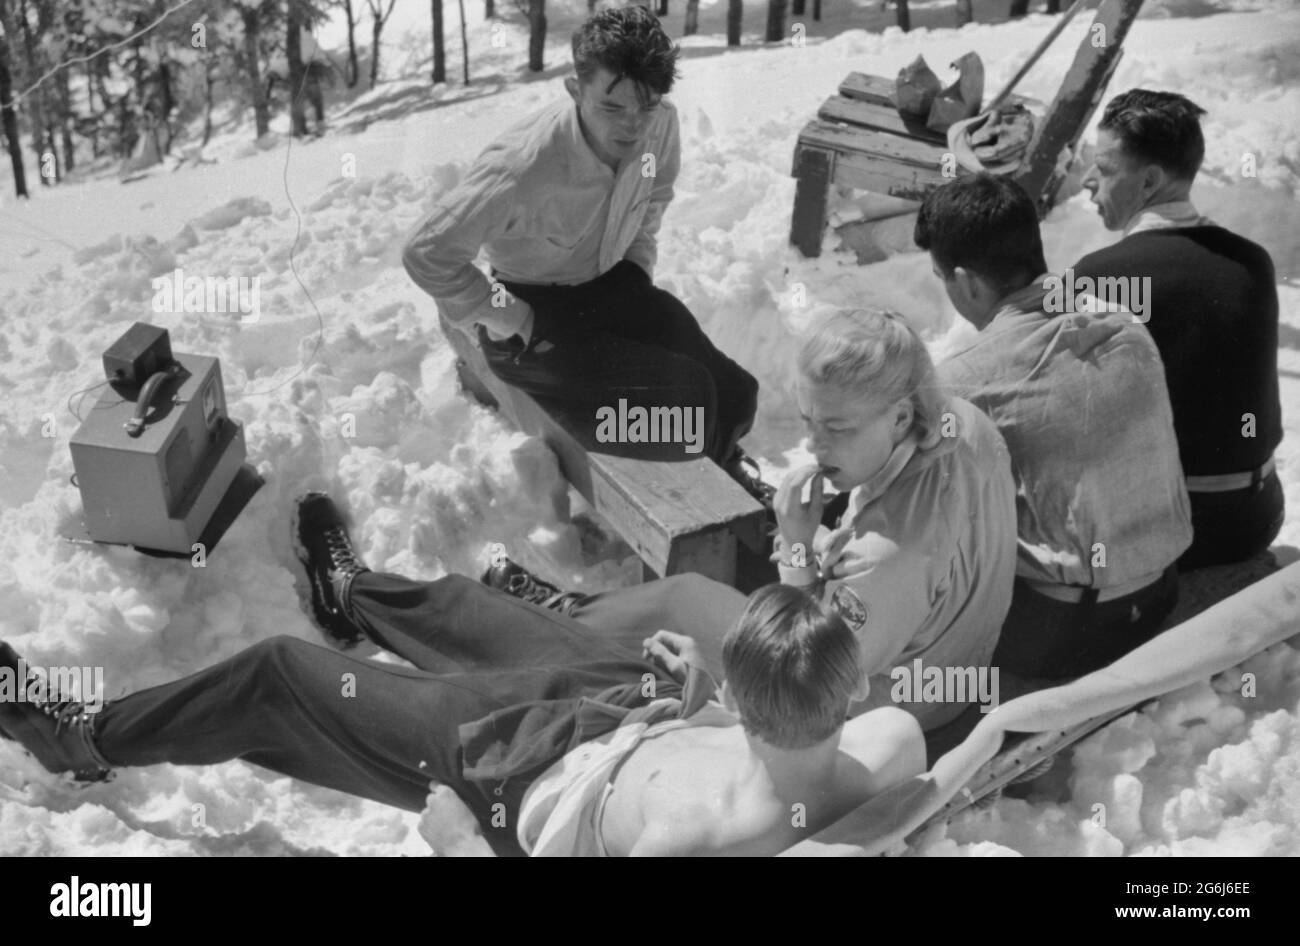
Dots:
pixel 581 747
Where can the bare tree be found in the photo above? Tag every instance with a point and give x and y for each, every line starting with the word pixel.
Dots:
pixel 775 21
pixel 439 50
pixel 692 18
pixel 536 34
pixel 904 16
pixel 8 117
pixel 353 71
pixel 254 18
pixel 377 20
pixel 36 99
pixel 735 10
pixel 297 74
pixel 464 41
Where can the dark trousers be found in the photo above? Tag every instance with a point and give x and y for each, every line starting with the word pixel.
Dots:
pixel 621 337
pixel 1232 527
pixel 1043 638
pixel 372 729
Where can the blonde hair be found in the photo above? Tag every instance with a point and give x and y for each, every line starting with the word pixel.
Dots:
pixel 875 354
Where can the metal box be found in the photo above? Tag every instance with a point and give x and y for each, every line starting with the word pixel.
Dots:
pixel 158 490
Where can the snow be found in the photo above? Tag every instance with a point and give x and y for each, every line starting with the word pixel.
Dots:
pixel 344 382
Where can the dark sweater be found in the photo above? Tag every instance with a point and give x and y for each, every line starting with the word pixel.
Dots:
pixel 1213 315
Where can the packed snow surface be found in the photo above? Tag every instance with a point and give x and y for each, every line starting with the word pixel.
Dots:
pixel 345 382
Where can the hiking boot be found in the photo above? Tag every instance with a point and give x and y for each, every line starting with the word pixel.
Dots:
pixel 744 470
pixel 59 733
pixel 321 541
pixel 519 582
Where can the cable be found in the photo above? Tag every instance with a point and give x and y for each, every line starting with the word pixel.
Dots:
pixel 83 392
pixel 320 319
pixel 14 100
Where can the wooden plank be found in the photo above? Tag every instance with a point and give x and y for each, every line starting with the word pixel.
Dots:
pixel 813 171
pixel 877 161
pixel 675 516
pixel 844 139
pixel 874 89
pixel 886 118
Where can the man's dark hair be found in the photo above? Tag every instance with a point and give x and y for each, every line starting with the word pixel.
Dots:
pixel 1162 128
pixel 986 224
pixel 631 44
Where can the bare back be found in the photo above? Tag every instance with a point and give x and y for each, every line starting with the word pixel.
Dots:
pixel 700 790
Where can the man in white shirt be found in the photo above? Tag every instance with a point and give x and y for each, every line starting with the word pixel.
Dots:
pixel 567 206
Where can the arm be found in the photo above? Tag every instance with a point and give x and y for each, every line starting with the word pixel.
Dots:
pixel 883 593
pixel 644 249
pixel 439 255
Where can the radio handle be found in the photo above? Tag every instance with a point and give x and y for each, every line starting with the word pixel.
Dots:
pixel 135 426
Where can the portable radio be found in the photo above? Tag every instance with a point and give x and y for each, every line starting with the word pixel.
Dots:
pixel 157 454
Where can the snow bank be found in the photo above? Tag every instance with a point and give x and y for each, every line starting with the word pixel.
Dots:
pixel 345 382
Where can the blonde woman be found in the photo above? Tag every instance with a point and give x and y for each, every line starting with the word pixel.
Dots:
pixel 920 565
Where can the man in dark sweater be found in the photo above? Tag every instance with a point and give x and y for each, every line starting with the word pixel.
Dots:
pixel 1212 310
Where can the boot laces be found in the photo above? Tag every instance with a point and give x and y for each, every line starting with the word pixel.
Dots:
pixel 343 558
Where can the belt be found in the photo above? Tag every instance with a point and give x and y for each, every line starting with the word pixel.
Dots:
pixel 1231 482
pixel 1073 594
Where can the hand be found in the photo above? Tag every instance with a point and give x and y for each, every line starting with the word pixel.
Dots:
pixel 676 653
pixel 450 827
pixel 796 520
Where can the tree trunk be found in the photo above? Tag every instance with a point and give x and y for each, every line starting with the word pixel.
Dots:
pixel 775 21
pixel 692 18
pixel 439 51
pixel 904 16
pixel 65 122
pixel 1018 8
pixel 297 73
pixel 661 7
pixel 91 110
pixel 261 110
pixel 964 14
pixel 536 34
pixel 376 27
pixel 354 71
pixel 8 118
pixel 35 101
pixel 735 10
pixel 1053 6
pixel 797 8
pixel 489 9
pixel 464 41
pixel 817 10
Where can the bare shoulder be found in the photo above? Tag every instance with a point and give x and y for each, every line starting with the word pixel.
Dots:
pixel 888 741
pixel 686 834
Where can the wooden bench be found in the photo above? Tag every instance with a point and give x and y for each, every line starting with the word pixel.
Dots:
pixel 686 516
pixel 860 140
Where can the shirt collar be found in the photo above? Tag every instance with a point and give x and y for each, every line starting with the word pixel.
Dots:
pixel 1174 214
pixel 875 487
pixel 584 157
